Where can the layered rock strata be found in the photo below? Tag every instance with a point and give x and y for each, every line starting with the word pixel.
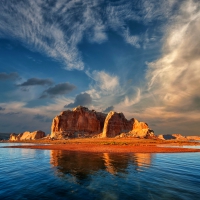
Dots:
pixel 82 122
pixel 27 136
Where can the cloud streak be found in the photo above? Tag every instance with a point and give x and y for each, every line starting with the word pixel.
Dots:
pixel 36 81
pixel 6 76
pixel 59 89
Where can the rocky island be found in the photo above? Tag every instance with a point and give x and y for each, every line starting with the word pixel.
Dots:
pixel 81 129
pixel 82 122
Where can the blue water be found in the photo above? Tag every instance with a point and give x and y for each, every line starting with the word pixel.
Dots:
pixel 51 174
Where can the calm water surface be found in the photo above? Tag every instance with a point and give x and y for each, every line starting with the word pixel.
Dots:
pixel 52 174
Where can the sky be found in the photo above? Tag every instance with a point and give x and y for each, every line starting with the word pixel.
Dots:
pixel 139 57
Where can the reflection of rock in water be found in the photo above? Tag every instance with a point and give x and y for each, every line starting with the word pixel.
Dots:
pixel 115 162
pixel 81 165
pixel 142 159
pixel 77 164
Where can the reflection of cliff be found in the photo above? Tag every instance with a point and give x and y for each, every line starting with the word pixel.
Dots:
pixel 81 165
pixel 78 164
pixel 115 162
pixel 142 159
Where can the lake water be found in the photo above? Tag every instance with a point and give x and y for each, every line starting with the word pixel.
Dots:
pixel 53 174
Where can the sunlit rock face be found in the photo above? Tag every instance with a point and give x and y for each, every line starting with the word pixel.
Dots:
pixel 27 136
pixel 141 130
pixel 15 137
pixel 82 122
pixel 76 123
pixel 115 124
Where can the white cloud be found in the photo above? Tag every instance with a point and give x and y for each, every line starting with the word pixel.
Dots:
pixel 104 81
pixel 178 69
pixel 131 39
pixel 133 99
pixel 174 78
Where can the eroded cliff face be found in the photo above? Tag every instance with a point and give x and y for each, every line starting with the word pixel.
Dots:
pixel 115 124
pixel 82 122
pixel 27 136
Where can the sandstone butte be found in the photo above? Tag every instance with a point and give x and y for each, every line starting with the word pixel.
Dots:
pixel 27 136
pixel 82 122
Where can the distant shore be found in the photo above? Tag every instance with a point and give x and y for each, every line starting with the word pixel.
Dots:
pixel 111 145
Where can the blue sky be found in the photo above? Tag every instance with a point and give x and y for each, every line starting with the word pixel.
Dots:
pixel 138 57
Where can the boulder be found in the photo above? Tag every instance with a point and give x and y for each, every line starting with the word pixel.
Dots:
pixel 80 122
pixel 27 136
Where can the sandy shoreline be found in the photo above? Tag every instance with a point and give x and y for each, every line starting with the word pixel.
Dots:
pixel 108 148
pixel 111 146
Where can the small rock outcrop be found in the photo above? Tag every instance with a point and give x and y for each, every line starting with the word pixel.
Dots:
pixel 172 137
pixel 82 122
pixel 141 130
pixel 193 138
pixel 27 136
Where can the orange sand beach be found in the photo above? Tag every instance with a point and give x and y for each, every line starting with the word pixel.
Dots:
pixel 109 148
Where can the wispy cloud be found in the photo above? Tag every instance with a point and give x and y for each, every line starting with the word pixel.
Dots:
pixel 57 28
pixel 54 29
pixel 104 81
pixel 173 79
pixel 175 75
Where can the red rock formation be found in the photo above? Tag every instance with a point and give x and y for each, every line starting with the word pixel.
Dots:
pixel 77 123
pixel 27 136
pixel 116 123
pixel 82 122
